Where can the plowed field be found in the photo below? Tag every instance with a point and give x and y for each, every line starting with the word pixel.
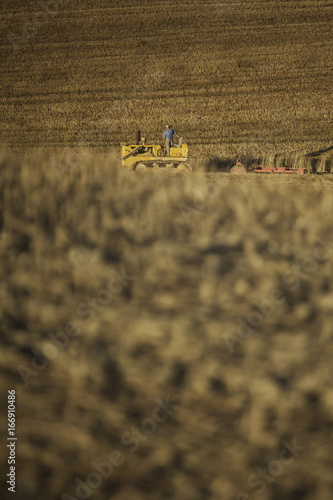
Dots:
pixel 229 76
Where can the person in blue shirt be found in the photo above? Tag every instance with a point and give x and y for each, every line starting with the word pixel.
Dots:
pixel 169 132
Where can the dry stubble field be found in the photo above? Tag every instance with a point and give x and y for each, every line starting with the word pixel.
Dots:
pixel 223 304
pixel 249 76
pixel 229 311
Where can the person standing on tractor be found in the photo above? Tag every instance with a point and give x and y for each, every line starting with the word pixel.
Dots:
pixel 169 132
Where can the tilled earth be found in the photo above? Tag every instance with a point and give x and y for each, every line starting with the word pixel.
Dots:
pixel 167 336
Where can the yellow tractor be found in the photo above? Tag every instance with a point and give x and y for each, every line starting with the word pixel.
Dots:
pixel 142 156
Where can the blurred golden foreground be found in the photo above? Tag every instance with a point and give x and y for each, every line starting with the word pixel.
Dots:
pixel 123 295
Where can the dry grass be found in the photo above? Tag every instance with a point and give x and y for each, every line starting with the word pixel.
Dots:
pixel 239 75
pixel 202 249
